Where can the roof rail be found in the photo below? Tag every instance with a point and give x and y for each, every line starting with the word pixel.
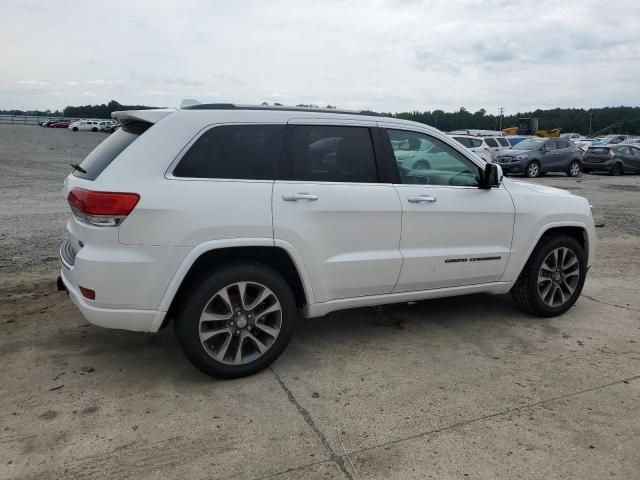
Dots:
pixel 232 106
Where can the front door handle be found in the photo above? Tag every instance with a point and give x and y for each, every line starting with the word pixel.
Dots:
pixel 294 197
pixel 422 199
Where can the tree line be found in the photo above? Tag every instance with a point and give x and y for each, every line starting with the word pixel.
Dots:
pixel 579 120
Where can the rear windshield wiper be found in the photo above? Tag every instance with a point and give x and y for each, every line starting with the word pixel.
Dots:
pixel 78 168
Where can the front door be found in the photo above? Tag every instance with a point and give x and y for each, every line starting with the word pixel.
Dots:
pixel 453 233
pixel 331 206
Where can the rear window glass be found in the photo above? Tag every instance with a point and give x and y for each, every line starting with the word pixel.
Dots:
pixel 101 156
pixel 598 150
pixel 464 141
pixel 491 142
pixel 503 142
pixel 247 152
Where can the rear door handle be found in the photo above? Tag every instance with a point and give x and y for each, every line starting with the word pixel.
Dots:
pixel 422 199
pixel 294 197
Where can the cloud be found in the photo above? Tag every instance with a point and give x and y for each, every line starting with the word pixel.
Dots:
pixel 386 55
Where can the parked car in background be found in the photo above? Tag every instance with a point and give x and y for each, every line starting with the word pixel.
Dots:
pixel 570 136
pixel 515 139
pixel 615 159
pixel 614 138
pixel 48 123
pixel 476 145
pixel 112 128
pixel 536 156
pixel 63 124
pixel 90 125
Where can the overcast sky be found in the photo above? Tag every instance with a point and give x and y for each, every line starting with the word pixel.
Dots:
pixel 384 55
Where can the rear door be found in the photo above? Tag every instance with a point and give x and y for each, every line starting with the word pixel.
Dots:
pixel 334 205
pixel 634 159
pixel 550 157
pixel 493 145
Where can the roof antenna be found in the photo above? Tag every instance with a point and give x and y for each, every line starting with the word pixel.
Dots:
pixel 187 102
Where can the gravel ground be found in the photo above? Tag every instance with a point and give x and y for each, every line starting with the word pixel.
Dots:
pixel 438 389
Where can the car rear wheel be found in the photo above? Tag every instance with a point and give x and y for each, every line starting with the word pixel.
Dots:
pixel 237 321
pixel 574 169
pixel 75 129
pixel 617 170
pixel 552 279
pixel 532 170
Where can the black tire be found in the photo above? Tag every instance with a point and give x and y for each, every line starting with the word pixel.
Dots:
pixel 526 290
pixel 94 129
pixel 532 170
pixel 616 170
pixel 572 171
pixel 187 324
pixel 75 129
pixel 422 165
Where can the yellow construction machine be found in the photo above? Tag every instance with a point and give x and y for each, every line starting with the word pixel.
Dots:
pixel 529 126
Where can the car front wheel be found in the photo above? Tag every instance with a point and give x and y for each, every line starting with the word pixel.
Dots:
pixel 532 170
pixel 552 279
pixel 574 169
pixel 237 321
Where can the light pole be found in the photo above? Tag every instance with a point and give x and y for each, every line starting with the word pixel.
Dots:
pixel 590 118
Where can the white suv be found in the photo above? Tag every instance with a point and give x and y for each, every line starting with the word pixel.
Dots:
pixel 230 220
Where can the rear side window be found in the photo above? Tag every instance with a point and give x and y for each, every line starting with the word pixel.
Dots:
pixel 491 142
pixel 101 156
pixel 247 152
pixel 503 142
pixel 562 144
pixel 324 153
pixel 464 141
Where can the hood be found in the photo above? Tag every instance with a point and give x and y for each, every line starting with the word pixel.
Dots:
pixel 522 185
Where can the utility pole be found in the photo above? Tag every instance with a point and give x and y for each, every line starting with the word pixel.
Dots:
pixel 501 115
pixel 590 118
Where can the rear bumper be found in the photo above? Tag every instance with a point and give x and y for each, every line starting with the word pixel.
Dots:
pixel 607 165
pixel 125 319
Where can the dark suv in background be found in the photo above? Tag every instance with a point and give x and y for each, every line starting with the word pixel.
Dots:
pixel 615 159
pixel 536 156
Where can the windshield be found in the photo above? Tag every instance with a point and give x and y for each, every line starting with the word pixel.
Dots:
pixel 531 144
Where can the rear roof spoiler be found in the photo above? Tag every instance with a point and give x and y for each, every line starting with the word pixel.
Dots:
pixel 149 116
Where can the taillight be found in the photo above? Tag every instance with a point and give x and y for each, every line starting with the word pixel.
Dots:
pixel 88 293
pixel 102 209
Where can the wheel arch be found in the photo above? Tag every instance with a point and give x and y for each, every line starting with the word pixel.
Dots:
pixel 576 231
pixel 202 259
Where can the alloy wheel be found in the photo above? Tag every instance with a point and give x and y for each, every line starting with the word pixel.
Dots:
pixel 574 170
pixel 240 323
pixel 558 277
pixel 533 170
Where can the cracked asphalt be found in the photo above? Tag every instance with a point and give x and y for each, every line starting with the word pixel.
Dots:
pixel 451 388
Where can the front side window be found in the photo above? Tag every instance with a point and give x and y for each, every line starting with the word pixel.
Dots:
pixel 491 142
pixel 243 152
pixel 551 145
pixel 324 153
pixel 425 160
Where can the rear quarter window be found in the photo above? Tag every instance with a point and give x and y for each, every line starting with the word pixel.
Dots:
pixel 105 153
pixel 242 152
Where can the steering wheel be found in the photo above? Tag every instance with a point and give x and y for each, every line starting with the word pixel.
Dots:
pixel 454 182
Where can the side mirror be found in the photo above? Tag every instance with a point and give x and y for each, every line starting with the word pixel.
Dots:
pixel 492 176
